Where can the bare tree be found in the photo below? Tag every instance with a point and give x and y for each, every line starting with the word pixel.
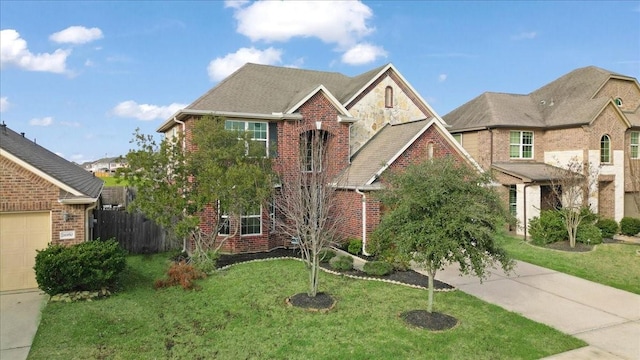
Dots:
pixel 306 200
pixel 574 184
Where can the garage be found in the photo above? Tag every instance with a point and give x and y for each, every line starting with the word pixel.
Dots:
pixel 21 234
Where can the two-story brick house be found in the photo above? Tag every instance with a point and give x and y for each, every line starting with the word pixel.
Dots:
pixel 372 122
pixel 590 114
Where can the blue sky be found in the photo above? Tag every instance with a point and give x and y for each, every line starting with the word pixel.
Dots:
pixel 80 77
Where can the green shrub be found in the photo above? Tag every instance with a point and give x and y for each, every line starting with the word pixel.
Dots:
pixel 589 234
pixel 88 266
pixel 341 263
pixel 630 226
pixel 609 227
pixel 325 255
pixel 377 268
pixel 355 246
pixel 548 228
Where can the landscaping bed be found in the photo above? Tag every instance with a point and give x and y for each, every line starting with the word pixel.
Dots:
pixel 409 277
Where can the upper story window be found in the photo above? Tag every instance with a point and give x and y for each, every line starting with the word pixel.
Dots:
pixel 605 149
pixel 458 138
pixel 258 132
pixel 521 144
pixel 388 97
pixel 618 101
pixel 313 149
pixel 634 151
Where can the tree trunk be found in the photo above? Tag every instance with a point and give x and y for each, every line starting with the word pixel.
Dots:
pixel 313 274
pixel 432 273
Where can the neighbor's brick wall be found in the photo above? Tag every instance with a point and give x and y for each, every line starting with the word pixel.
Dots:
pixel 22 190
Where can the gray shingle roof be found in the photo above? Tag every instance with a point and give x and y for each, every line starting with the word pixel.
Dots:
pixel 566 101
pixel 51 164
pixel 265 89
pixel 531 171
pixel 379 150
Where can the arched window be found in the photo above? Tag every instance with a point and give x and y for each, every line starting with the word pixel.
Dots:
pixel 605 149
pixel 430 151
pixel 618 101
pixel 388 97
pixel 313 150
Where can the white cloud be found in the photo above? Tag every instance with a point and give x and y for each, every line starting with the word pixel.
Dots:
pixel 442 77
pixel 145 112
pixel 334 22
pixel 525 35
pixel 235 4
pixel 363 54
pixel 76 35
pixel 14 51
pixel 45 121
pixel 4 104
pixel 220 68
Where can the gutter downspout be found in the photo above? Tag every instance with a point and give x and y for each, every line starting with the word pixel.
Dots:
pixel 184 148
pixel 364 221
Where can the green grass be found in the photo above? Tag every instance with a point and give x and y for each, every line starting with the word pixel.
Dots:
pixel 112 181
pixel 615 265
pixel 241 313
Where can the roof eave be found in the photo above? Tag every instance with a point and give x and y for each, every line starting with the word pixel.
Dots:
pixel 182 114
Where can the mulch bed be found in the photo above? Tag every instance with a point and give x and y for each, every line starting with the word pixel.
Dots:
pixel 409 277
pixel 433 321
pixel 565 246
pixel 321 302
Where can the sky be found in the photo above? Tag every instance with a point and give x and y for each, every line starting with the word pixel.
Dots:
pixel 78 77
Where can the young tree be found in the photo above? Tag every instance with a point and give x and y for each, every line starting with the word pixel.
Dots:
pixel 574 185
pixel 440 212
pixel 306 200
pixel 224 170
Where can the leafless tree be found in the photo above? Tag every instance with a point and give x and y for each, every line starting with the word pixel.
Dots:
pixel 574 184
pixel 306 200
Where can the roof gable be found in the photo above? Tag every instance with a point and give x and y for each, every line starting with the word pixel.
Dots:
pixel 68 176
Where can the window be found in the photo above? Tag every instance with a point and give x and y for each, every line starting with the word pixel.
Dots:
pixel 388 97
pixel 312 149
pixel 430 151
pixel 258 132
pixel 618 101
pixel 251 221
pixel 458 138
pixel 521 145
pixel 513 200
pixel 605 149
pixel 272 215
pixel 635 145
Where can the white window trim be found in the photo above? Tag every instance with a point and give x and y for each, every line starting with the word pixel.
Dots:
pixel 610 154
pixel 253 216
pixel 246 129
pixel 636 145
pixel 521 145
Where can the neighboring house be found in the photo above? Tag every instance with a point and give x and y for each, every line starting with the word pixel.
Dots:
pixel 43 199
pixel 105 166
pixel 589 114
pixel 371 122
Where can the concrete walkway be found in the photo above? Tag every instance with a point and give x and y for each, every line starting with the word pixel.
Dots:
pixel 607 319
pixel 19 319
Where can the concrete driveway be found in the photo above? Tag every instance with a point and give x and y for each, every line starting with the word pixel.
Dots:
pixel 19 319
pixel 606 318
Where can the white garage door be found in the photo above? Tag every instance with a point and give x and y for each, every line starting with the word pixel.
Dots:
pixel 20 235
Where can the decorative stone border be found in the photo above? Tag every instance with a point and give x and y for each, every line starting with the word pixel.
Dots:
pixel 333 272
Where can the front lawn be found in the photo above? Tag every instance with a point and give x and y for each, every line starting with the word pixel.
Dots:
pixel 615 265
pixel 240 313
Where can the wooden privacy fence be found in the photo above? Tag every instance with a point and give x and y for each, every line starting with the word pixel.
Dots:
pixel 134 232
